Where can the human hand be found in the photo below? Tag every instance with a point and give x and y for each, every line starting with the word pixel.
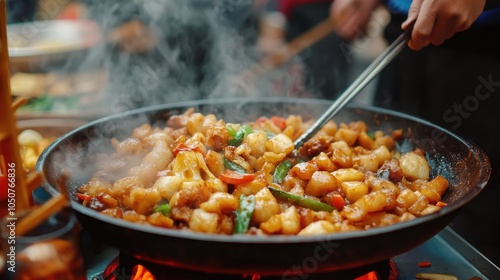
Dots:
pixel 438 20
pixel 352 16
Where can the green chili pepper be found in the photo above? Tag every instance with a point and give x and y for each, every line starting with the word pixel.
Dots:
pixel 301 201
pixel 371 134
pixel 238 136
pixel 233 166
pixel 163 208
pixel 244 213
pixel 281 171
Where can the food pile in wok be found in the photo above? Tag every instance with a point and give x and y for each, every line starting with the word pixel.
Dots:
pixel 202 174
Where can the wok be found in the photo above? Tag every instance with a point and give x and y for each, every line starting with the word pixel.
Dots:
pixel 464 164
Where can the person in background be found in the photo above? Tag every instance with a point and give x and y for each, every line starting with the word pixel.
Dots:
pixel 449 76
pixel 326 71
pixel 169 51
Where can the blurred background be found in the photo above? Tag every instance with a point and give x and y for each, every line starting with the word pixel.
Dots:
pixel 77 61
pixel 90 58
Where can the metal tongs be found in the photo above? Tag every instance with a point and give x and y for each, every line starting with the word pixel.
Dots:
pixel 364 78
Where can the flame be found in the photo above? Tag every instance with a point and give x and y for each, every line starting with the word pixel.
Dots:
pixel 141 273
pixel 372 275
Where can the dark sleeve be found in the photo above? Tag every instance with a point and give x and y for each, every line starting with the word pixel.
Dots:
pixel 492 4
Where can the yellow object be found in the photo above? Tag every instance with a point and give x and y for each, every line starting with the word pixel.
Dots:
pixel 9 147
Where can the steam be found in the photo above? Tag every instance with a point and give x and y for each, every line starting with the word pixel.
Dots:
pixel 201 50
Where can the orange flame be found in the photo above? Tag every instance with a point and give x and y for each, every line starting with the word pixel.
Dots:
pixel 141 273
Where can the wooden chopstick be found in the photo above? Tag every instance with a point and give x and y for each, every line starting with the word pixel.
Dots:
pixel 39 214
pixel 9 147
pixel 18 102
pixel 290 50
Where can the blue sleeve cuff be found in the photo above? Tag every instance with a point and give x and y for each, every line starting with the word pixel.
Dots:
pixel 489 17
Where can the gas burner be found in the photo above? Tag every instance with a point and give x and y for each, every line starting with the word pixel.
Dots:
pixel 126 267
pixel 446 253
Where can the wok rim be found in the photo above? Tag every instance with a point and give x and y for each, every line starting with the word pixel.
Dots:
pixel 484 175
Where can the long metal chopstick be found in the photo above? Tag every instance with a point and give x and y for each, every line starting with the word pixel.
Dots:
pixel 363 79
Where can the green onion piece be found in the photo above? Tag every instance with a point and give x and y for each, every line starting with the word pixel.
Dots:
pixel 244 213
pixel 300 201
pixel 371 134
pixel 231 130
pixel 237 139
pixel 247 129
pixel 238 136
pixel 163 208
pixel 233 166
pixel 281 171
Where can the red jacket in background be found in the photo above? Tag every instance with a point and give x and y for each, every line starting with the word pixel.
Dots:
pixel 287 6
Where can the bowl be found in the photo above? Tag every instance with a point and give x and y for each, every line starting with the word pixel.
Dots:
pixel 43 45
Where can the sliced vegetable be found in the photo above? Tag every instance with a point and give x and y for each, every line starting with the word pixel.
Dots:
pixel 238 136
pixel 300 201
pixel 183 147
pixel 231 130
pixel 371 134
pixel 85 198
pixel 424 264
pixel 260 120
pixel 244 213
pixel 338 201
pixel 279 122
pixel 163 208
pixel 236 178
pixel 441 204
pixel 233 166
pixel 247 129
pixel 281 171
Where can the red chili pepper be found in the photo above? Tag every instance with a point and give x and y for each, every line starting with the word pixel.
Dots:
pixel 279 122
pixel 260 120
pixel 186 147
pixel 424 264
pixel 441 204
pixel 236 178
pixel 338 201
pixel 85 198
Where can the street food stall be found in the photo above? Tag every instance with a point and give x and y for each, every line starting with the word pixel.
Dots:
pixel 197 186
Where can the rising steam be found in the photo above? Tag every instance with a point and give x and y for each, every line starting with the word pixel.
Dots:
pixel 201 49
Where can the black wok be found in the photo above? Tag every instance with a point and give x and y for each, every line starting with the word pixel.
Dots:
pixel 465 166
